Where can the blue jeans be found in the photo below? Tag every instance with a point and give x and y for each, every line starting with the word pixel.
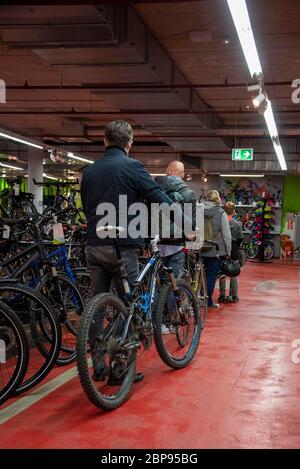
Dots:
pixel 176 262
pixel 212 267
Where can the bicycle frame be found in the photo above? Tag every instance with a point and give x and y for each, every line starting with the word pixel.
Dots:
pixel 152 266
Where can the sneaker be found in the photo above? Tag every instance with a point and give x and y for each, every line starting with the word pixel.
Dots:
pixel 229 299
pixel 164 329
pixel 214 306
pixel 235 299
pixel 222 299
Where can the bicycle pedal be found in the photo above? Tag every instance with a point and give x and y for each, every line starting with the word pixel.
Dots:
pixel 132 345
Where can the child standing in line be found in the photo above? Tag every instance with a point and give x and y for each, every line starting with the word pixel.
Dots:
pixel 236 228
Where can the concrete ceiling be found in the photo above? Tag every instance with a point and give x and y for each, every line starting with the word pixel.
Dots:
pixel 174 70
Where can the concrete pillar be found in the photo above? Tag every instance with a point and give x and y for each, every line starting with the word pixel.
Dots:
pixel 35 171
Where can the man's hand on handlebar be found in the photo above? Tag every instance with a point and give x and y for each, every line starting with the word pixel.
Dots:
pixel 191 236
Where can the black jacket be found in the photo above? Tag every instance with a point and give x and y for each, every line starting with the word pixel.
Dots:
pixel 105 180
pixel 178 191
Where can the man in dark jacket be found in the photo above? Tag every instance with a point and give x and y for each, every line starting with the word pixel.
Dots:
pixel 113 176
pixel 103 182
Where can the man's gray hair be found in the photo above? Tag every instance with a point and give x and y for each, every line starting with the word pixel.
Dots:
pixel 119 133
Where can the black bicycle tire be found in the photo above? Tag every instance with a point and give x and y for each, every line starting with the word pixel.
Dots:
pixel 255 253
pixel 104 403
pixel 71 357
pixel 23 349
pixel 157 319
pixel 56 335
pixel 267 257
pixel 204 300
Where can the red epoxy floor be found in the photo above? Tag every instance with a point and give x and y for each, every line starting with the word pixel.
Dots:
pixel 241 391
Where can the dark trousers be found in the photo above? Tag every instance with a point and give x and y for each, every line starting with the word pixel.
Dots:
pixel 104 266
pixel 212 267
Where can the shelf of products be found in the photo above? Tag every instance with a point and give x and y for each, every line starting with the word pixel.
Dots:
pixel 246 214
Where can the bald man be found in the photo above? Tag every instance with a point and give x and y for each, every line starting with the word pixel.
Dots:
pixel 176 189
pixel 176 168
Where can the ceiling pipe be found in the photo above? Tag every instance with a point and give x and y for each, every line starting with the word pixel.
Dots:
pixel 144 112
pixel 135 86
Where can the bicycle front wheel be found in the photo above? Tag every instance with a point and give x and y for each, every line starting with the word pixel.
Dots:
pixel 178 314
pixel 252 251
pixel 106 363
pixel 14 352
pixel 44 341
pixel 202 297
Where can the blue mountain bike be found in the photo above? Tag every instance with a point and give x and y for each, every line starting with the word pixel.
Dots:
pixel 114 327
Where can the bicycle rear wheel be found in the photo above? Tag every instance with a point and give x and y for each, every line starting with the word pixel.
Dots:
pixel 181 316
pixel 106 364
pixel 66 300
pixel 14 352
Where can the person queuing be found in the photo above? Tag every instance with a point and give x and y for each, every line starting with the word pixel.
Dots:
pixel 175 187
pixel 236 228
pixel 216 222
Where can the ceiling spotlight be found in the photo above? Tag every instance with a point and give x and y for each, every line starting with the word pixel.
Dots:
pixel 258 100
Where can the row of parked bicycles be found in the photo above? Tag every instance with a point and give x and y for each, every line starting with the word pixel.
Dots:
pixel 43 287
pixel 48 317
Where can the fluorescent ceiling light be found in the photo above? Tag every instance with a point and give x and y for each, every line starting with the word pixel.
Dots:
pixel 11 167
pixel 271 124
pixel 270 121
pixel 157 174
pixel 19 140
pixel 80 158
pixel 240 16
pixel 280 156
pixel 242 175
pixel 49 177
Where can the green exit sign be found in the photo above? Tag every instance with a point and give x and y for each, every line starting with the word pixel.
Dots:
pixel 242 154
